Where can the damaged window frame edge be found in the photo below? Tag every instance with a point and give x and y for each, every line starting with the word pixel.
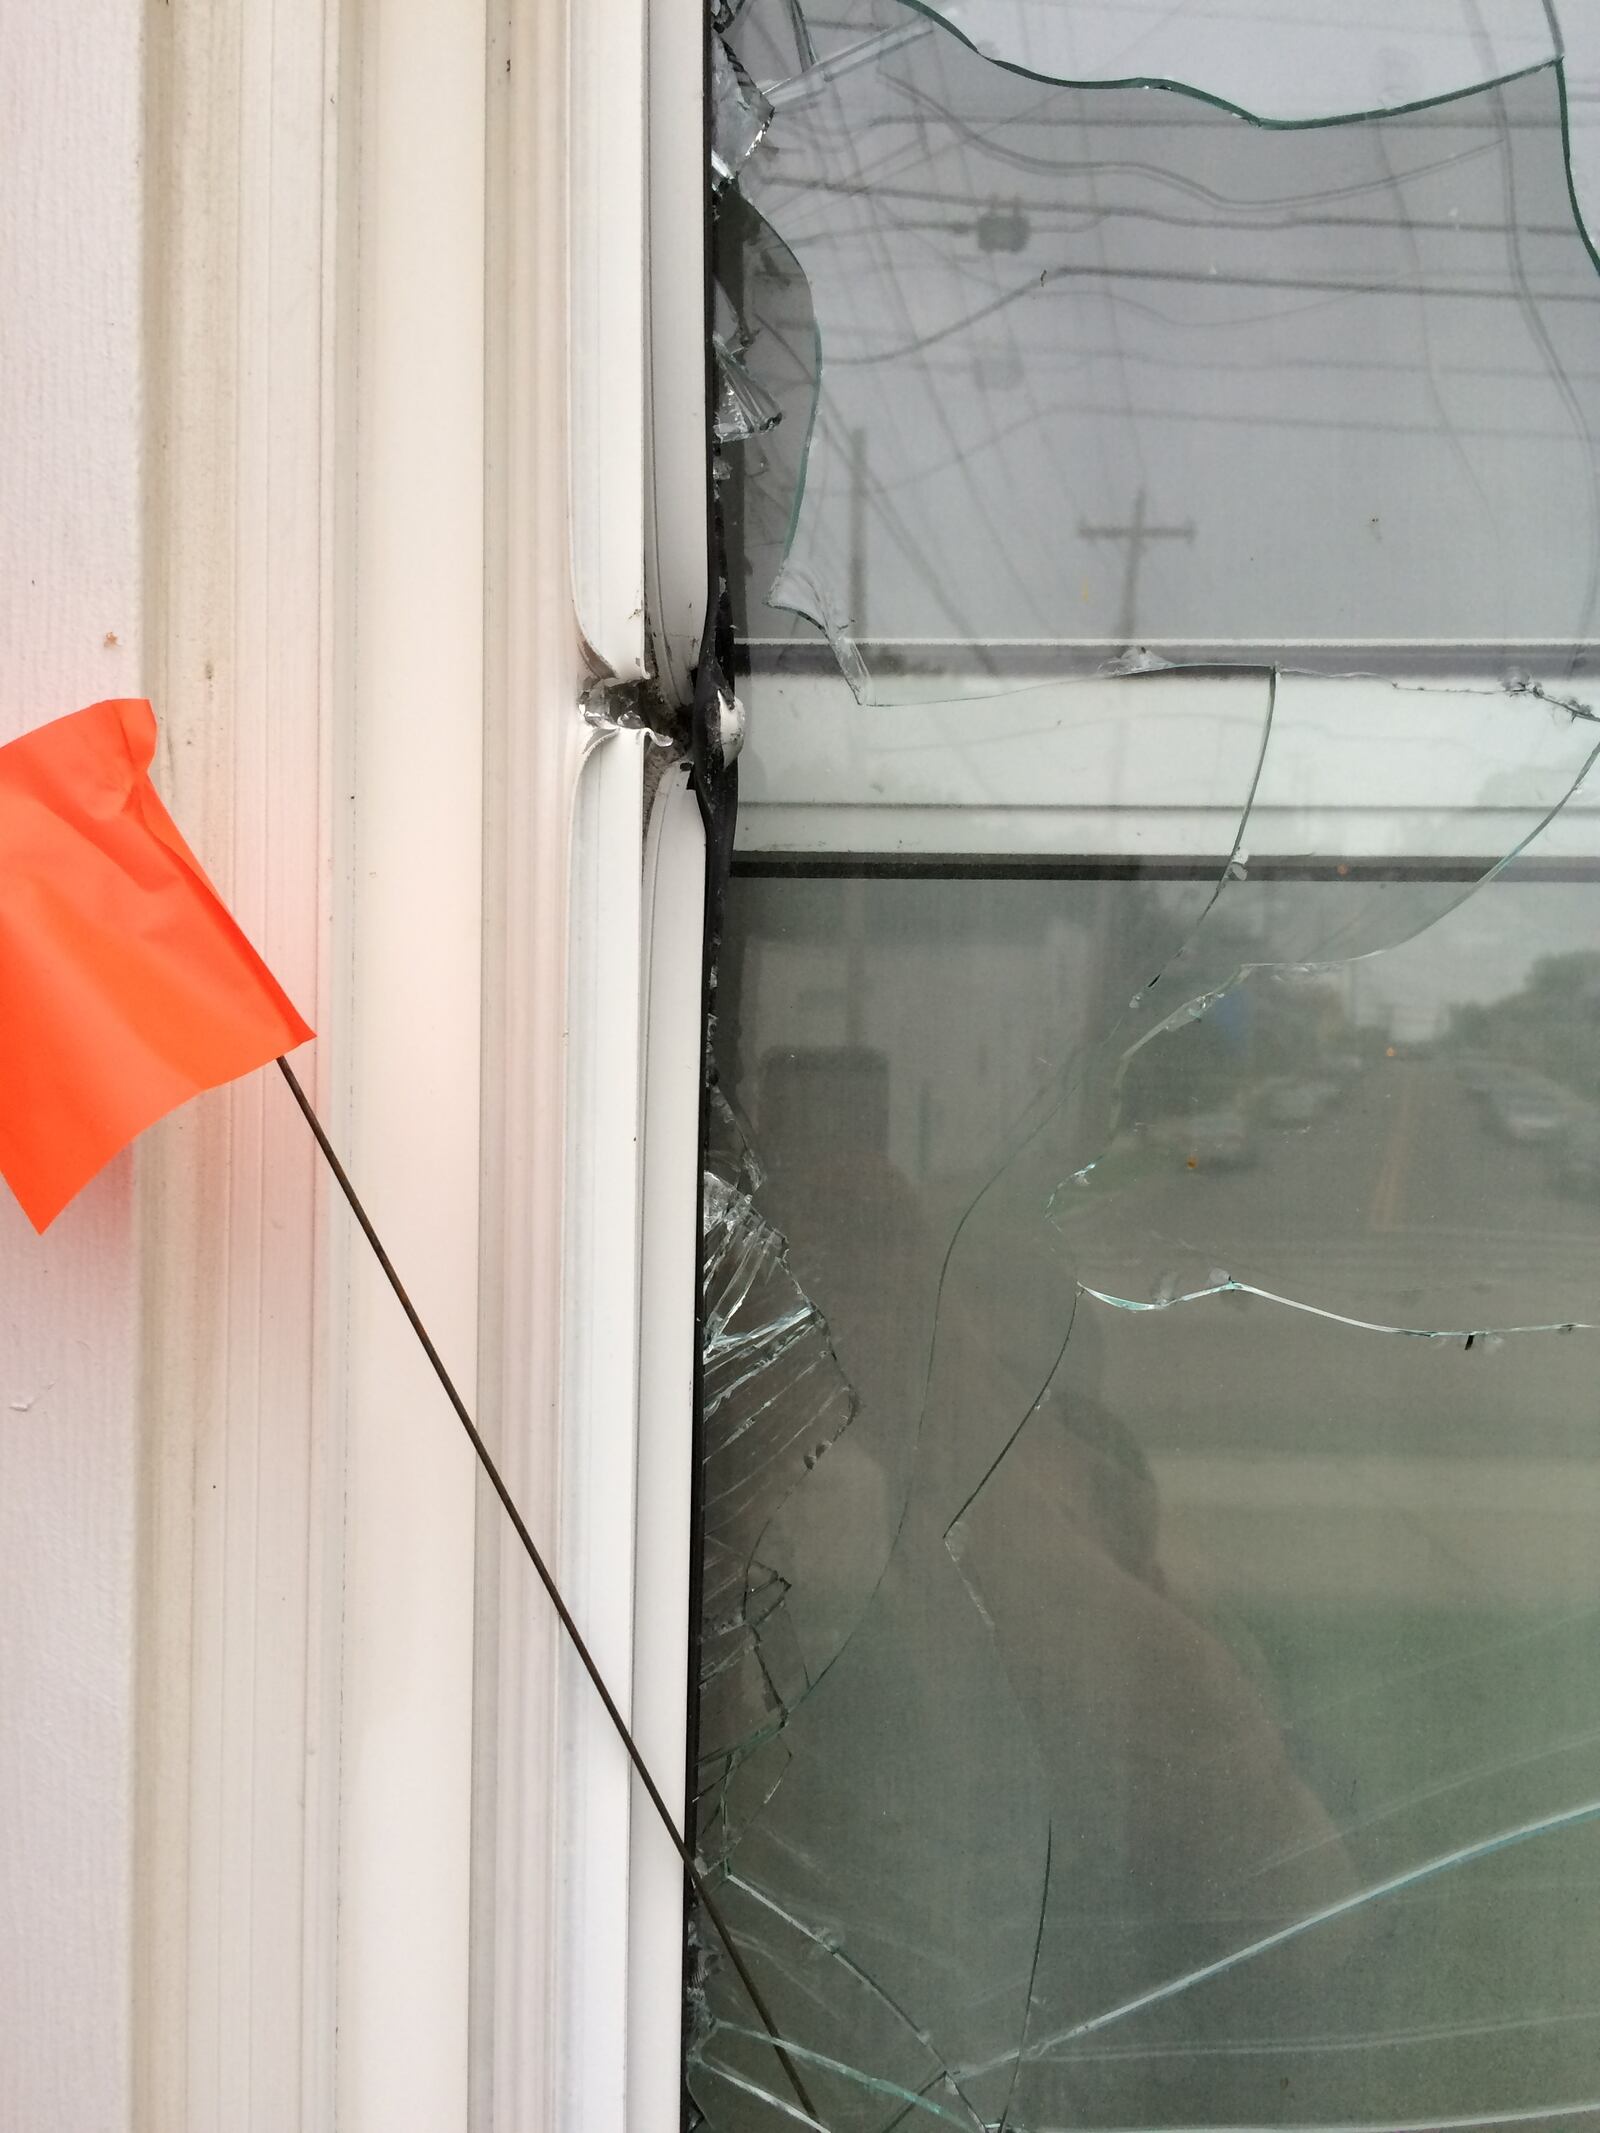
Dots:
pixel 593 2034
pixel 654 838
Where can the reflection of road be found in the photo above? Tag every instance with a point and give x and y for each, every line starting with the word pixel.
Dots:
pixel 1387 1193
pixel 1241 1375
pixel 1399 1200
pixel 1400 1204
pixel 1484 1534
pixel 1405 1147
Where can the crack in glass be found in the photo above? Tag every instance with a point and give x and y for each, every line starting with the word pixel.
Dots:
pixel 1148 1569
pixel 1016 311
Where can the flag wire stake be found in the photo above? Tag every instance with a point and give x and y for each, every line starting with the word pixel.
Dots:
pixel 575 1635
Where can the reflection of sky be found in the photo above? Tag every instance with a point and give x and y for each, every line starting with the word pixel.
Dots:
pixel 1482 951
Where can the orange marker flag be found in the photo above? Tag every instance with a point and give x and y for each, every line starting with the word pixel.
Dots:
pixel 125 985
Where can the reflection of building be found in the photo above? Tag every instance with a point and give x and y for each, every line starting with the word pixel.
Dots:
pixel 951 1036
pixel 831 1099
pixel 1417 1021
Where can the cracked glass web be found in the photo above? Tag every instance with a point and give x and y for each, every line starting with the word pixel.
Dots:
pixel 1150 1566
pixel 1059 364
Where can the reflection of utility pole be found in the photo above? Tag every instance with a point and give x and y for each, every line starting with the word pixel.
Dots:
pixel 805 50
pixel 1137 533
pixel 858 534
pixel 855 960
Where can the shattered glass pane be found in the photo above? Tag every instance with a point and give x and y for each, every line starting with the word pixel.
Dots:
pixel 774 1400
pixel 744 407
pixel 1150 1559
pixel 1061 363
pixel 1187 1682
pixel 1285 62
pixel 740 114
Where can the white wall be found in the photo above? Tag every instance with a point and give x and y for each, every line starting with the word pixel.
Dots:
pixel 70 607
pixel 236 1518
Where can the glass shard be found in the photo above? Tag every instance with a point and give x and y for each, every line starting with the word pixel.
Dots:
pixel 744 406
pixel 740 114
pixel 1285 62
pixel 774 1403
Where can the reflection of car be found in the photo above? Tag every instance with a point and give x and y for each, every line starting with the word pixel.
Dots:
pixel 1531 1110
pixel 1217 1139
pixel 1576 1163
pixel 1297 1103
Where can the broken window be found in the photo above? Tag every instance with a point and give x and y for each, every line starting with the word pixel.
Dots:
pixel 1150 1544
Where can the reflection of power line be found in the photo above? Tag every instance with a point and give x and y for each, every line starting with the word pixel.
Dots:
pixel 1132 56
pixel 1259 419
pixel 1453 114
pixel 910 472
pixel 968 426
pixel 805 50
pixel 1055 357
pixel 1004 234
pixel 817 74
pixel 1289 284
pixel 1268 215
pixel 1138 533
pixel 1539 329
pixel 1247 20
pixel 876 500
pixel 890 288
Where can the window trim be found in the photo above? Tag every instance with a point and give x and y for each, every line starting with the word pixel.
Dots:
pixel 368 432
pixel 591 1162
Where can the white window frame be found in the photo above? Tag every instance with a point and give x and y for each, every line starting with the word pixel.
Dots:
pixel 603 2051
pixel 402 516
pixel 1154 765
pixel 424 418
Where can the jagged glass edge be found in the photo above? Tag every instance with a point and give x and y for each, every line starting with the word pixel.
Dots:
pixel 1556 64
